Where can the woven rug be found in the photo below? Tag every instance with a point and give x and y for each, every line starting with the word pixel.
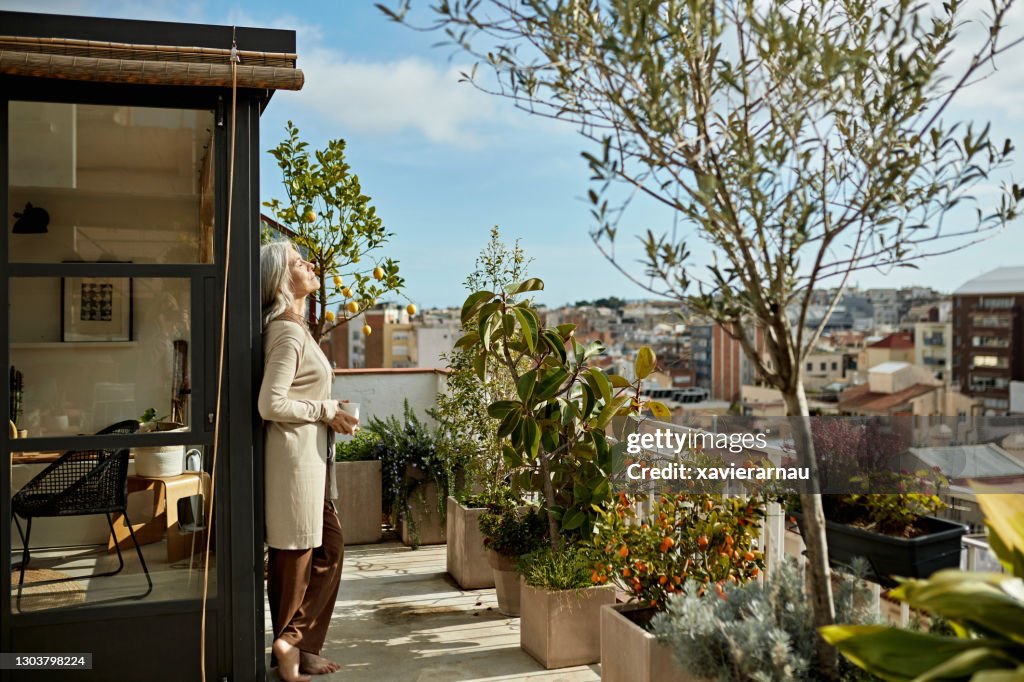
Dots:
pixel 52 596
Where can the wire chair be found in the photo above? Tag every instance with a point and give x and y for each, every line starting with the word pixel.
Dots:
pixel 79 483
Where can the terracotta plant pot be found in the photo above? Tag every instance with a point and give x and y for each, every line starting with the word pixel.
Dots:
pixel 466 555
pixel 629 653
pixel 359 501
pixel 506 582
pixel 562 628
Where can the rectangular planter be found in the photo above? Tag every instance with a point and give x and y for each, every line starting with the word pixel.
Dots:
pixel 562 628
pixel 629 653
pixel 359 501
pixel 893 556
pixel 426 519
pixel 467 559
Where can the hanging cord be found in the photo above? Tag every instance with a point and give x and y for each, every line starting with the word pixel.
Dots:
pixel 220 356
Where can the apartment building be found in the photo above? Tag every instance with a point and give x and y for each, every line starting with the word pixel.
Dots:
pixel 933 347
pixel 989 336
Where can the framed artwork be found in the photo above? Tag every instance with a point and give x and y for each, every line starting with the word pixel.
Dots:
pixel 96 309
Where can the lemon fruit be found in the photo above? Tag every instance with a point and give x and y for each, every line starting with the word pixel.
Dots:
pixel 329 316
pixel 411 309
pixel 352 307
pixel 309 216
pixel 346 292
pixel 378 273
pixel 366 330
pixel 337 282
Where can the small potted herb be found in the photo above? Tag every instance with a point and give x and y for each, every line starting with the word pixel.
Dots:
pixel 560 607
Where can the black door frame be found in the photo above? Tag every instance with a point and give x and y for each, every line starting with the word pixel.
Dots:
pixel 134 632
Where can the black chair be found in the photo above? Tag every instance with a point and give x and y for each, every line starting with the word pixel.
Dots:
pixel 79 483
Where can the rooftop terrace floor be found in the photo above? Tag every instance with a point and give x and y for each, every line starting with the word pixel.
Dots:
pixel 399 616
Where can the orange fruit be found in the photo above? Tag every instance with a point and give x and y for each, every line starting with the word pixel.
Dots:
pixel 702 542
pixel 623 551
pixel 309 216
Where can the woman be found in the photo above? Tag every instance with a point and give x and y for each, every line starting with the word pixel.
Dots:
pixel 306 547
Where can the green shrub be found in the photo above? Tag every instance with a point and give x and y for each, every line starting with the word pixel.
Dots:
pixel 513 530
pixel 361 448
pixel 568 568
pixel 753 631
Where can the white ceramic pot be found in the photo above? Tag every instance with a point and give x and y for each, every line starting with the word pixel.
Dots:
pixel 160 462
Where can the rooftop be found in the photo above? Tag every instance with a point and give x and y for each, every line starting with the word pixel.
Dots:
pixel 1008 280
pixel 899 340
pixel 398 611
pixel 862 398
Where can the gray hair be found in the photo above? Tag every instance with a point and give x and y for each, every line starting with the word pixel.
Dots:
pixel 275 284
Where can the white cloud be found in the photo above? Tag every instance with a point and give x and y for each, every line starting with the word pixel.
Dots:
pixel 384 98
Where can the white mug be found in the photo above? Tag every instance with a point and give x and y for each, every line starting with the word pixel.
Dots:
pixel 350 408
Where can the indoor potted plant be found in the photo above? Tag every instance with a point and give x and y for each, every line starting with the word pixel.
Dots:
pixel 509 530
pixel 705 540
pixel 360 495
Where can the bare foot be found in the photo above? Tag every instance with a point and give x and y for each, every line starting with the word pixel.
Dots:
pixel 316 665
pixel 288 662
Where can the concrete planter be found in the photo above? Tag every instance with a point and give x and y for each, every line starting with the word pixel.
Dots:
pixel 506 582
pixel 467 558
pixel 359 501
pixel 629 653
pixel 562 628
pixel 427 527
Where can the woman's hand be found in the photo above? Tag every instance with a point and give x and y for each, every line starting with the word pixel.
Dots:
pixel 344 422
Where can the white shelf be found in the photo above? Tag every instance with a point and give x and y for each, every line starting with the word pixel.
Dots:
pixel 54 345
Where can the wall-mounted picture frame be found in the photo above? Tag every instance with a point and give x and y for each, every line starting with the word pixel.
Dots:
pixel 96 309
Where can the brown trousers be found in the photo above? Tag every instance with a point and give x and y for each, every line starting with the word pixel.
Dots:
pixel 302 585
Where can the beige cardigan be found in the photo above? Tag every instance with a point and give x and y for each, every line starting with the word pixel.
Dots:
pixel 295 402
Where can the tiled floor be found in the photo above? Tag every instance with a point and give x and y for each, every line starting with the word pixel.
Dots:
pixel 400 617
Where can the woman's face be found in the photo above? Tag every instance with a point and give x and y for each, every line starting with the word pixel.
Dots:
pixel 303 279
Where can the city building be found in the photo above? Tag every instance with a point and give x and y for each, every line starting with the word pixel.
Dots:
pixel 896 347
pixel 988 329
pixel 901 389
pixel 933 347
pixel 730 367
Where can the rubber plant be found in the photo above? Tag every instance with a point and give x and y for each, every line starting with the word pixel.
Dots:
pixel 553 434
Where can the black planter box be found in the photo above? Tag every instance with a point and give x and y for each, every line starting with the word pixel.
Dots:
pixel 889 556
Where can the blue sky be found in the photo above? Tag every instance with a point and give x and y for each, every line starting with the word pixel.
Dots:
pixel 443 163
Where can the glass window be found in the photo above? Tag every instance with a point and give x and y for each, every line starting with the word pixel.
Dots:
pixel 110 183
pixel 90 352
pixel 168 515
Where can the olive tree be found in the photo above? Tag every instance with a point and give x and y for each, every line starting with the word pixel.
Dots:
pixel 336 227
pixel 801 141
